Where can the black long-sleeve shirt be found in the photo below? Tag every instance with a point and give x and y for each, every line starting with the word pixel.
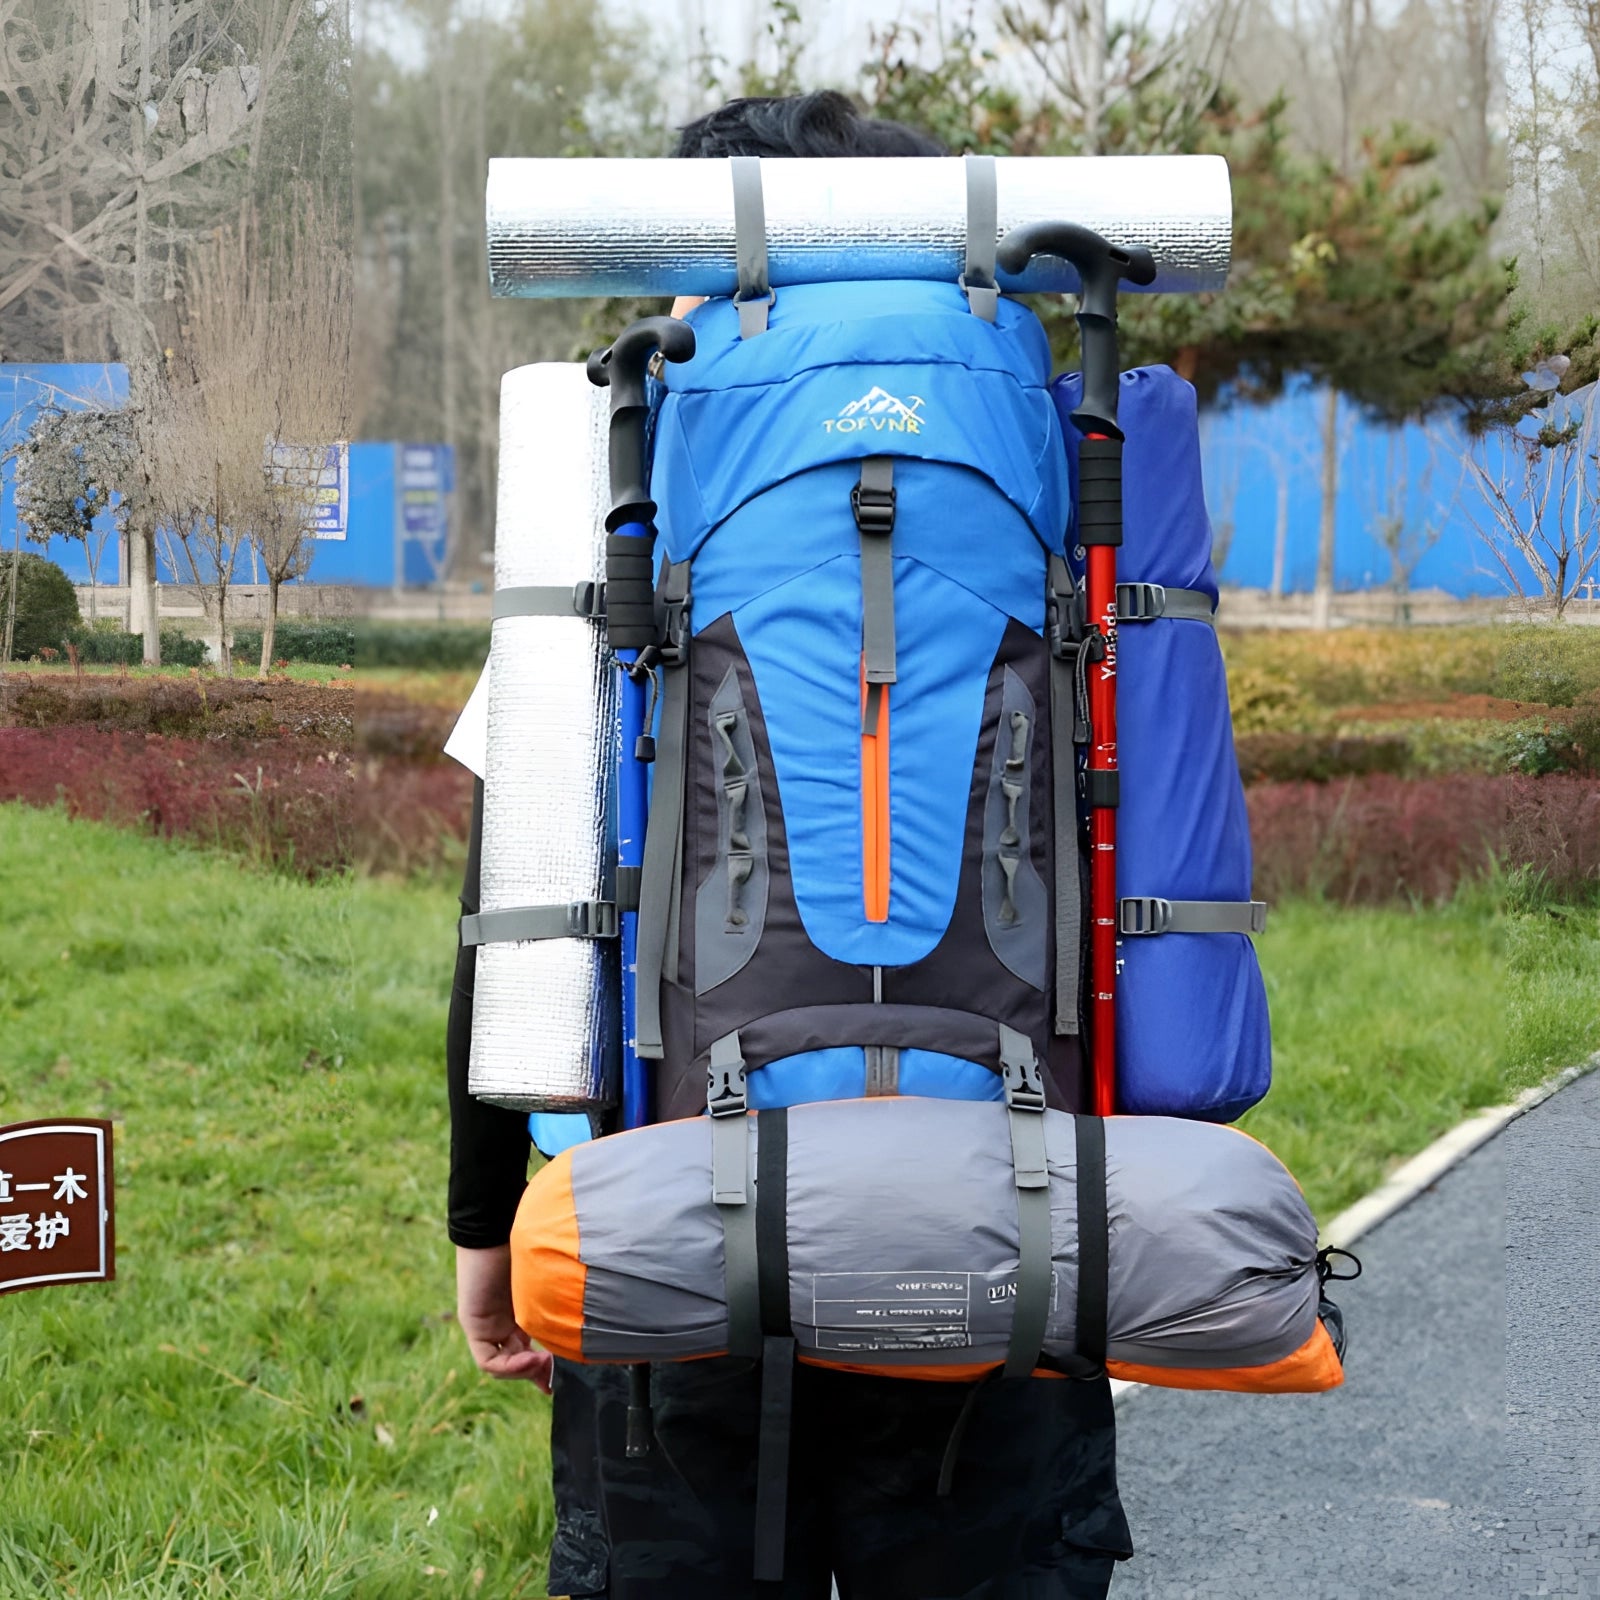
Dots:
pixel 489 1145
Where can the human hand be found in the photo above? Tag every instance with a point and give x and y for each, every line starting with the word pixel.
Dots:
pixel 483 1308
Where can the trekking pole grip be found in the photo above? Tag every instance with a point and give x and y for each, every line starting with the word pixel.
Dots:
pixel 1101 268
pixel 630 545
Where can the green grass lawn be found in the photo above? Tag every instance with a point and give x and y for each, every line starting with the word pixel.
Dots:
pixel 271 1052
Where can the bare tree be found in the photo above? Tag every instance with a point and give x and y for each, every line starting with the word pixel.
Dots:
pixel 1404 512
pixel 1094 62
pixel 256 389
pixel 1539 493
pixel 117 120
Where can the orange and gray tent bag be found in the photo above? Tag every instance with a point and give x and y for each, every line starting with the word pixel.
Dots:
pixel 933 1239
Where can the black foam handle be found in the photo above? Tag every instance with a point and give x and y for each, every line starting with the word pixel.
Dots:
pixel 622 368
pixel 1101 267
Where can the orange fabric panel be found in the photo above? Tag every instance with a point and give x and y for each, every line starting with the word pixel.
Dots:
pixel 1312 1368
pixel 875 806
pixel 547 1277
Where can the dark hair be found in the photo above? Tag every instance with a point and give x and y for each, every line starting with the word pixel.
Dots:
pixel 825 123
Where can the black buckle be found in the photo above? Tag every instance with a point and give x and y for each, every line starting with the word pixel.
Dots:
pixel 1141 602
pixel 1144 914
pixel 589 599
pixel 1065 622
pixel 873 508
pixel 1024 1084
pixel 673 627
pixel 725 1095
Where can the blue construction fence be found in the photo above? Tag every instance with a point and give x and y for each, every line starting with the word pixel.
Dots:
pixel 388 505
pixel 393 514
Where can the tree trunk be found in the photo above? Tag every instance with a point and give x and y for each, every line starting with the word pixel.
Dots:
pixel 1322 596
pixel 269 629
pixel 144 594
pixel 1186 362
pixel 11 601
pixel 1280 536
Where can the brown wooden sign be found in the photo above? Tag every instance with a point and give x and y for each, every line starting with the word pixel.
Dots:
pixel 55 1203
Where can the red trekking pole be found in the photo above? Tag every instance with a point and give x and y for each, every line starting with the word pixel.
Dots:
pixel 1101 267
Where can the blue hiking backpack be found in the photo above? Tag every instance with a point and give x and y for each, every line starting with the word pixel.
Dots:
pixel 864 868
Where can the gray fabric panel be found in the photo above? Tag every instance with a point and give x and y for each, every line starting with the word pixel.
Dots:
pixel 983 234
pixel 750 245
pixel 903 1242
pixel 1149 916
pixel 721 945
pixel 1016 905
pixel 641 1302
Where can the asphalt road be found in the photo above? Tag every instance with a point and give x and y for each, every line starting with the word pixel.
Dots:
pixel 1427 1475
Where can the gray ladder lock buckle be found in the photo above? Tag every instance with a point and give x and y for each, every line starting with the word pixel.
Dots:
pixel 1024 1084
pixel 1141 602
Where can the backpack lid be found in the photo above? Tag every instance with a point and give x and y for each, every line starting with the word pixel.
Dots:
pixel 847 370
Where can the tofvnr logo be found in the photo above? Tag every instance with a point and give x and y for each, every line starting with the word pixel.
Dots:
pixel 878 411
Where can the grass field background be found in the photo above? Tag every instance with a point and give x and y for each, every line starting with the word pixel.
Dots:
pixel 273 1399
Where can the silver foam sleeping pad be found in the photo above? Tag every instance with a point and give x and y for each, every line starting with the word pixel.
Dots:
pixel 641 227
pixel 545 1014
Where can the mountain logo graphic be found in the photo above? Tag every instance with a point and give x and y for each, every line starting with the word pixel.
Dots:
pixel 878 411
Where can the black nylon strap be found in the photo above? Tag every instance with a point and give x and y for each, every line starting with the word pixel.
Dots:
pixel 772 1456
pixel 1094 1245
pixel 772 1221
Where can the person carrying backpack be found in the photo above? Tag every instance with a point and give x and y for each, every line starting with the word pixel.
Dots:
pixel 897 1489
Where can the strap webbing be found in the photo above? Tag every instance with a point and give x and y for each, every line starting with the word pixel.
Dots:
pixel 663 840
pixel 1030 1310
pixel 772 1456
pixel 772 1219
pixel 874 505
pixel 754 295
pixel 578 919
pixel 983 231
pixel 1064 796
pixel 1146 602
pixel 730 1190
pixel 1143 915
pixel 1094 1245
pixel 586 599
pixel 777 1343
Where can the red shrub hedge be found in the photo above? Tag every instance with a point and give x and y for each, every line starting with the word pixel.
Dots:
pixel 293 803
pixel 1377 838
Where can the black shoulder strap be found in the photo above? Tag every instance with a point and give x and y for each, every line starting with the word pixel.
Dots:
pixel 1094 1252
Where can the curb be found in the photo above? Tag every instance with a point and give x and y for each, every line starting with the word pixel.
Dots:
pixel 1424 1169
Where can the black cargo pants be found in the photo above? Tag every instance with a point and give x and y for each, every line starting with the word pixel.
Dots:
pixel 1033 1512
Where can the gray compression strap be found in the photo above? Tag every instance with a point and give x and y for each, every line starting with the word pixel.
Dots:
pixel 1149 914
pixel 586 599
pixel 663 838
pixel 873 501
pixel 983 230
pixel 1064 784
pixel 579 919
pixel 1145 602
pixel 1030 1310
pixel 754 295
pixel 730 1189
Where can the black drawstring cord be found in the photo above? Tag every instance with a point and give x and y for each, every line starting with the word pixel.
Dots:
pixel 947 1467
pixel 1325 1272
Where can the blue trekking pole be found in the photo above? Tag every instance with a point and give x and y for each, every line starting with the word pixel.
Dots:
pixel 632 633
